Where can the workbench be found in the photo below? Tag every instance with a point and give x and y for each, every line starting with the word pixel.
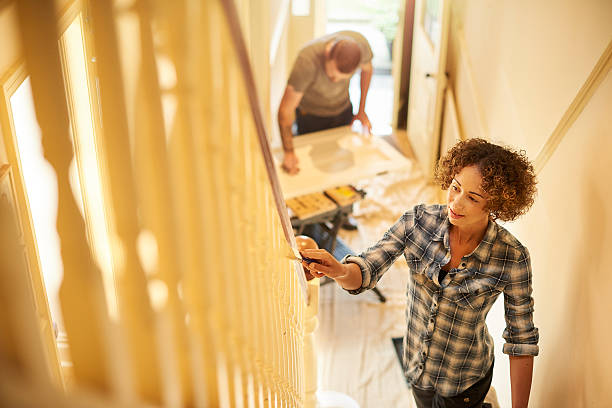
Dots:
pixel 330 209
pixel 327 159
pixel 323 226
pixel 336 157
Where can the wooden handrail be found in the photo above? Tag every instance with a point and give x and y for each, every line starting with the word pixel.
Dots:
pixel 247 73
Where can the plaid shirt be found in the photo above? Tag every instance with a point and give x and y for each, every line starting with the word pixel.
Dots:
pixel 447 347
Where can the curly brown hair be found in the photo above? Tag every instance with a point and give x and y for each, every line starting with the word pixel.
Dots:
pixel 507 175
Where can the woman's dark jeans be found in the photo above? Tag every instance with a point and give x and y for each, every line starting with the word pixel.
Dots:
pixel 473 397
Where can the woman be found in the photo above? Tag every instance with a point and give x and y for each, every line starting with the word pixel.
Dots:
pixel 460 260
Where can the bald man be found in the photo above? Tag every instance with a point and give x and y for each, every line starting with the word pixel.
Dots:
pixel 317 92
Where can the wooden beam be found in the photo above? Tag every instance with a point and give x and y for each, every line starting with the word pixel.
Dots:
pixel 582 98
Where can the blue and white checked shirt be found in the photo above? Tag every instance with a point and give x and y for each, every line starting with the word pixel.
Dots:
pixel 447 347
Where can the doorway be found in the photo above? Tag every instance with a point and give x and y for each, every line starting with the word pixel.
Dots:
pixel 377 21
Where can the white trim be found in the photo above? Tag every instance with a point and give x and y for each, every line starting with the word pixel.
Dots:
pixel 465 60
pixel 279 27
pixel 599 72
pixel 450 118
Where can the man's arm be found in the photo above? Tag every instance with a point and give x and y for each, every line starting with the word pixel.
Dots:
pixel 366 77
pixel 286 115
pixel 521 370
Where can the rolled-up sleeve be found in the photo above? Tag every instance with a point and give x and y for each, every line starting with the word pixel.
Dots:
pixel 521 335
pixel 377 259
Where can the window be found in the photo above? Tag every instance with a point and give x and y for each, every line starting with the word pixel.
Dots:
pixel 26 157
pixel 87 181
pixel 431 21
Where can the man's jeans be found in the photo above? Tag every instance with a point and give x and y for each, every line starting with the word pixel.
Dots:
pixel 310 123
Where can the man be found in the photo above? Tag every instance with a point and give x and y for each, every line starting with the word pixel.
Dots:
pixel 317 92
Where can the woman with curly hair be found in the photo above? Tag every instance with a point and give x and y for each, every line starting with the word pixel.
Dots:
pixel 460 261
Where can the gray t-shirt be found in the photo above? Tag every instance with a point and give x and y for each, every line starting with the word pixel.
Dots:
pixel 322 97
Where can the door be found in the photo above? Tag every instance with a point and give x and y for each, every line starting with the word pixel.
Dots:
pixel 427 81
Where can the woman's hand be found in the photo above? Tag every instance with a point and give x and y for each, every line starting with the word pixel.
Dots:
pixel 324 264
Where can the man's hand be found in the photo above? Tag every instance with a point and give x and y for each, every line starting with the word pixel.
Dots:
pixel 366 75
pixel 290 163
pixel 365 121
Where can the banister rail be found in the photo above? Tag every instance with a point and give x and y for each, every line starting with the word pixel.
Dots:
pixel 211 310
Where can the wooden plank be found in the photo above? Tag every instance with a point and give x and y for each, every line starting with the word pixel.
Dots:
pixel 597 75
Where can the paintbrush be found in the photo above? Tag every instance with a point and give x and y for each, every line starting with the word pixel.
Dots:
pixel 295 255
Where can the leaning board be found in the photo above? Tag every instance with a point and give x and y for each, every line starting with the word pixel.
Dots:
pixel 336 157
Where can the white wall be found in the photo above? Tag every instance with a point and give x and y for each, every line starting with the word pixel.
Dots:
pixel 521 48
pixel 569 233
pixel 515 72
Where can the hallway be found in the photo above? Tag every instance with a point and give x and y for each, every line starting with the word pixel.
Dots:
pixel 175 280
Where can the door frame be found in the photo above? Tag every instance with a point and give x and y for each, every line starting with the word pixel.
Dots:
pixel 428 162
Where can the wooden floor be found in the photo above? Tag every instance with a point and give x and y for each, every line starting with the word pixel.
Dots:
pixel 355 351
